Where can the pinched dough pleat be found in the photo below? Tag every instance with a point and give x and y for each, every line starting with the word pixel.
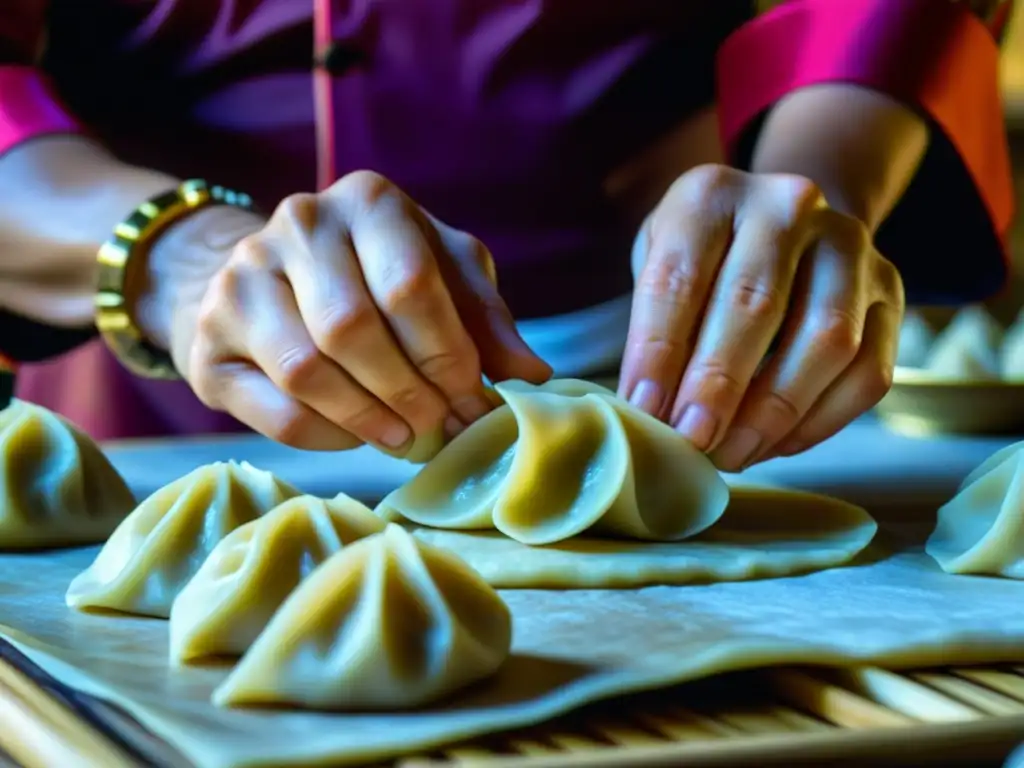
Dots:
pixel 56 486
pixel 154 552
pixel 560 459
pixel 229 601
pixel 570 464
pixel 386 623
pixel 457 490
pixel 981 529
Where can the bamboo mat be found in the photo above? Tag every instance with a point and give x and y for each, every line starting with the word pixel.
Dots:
pixel 779 717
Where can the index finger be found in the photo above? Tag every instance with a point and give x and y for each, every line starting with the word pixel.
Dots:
pixel 684 251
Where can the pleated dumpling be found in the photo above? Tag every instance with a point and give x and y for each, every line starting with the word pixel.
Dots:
pixel 150 557
pixel 58 489
pixel 561 459
pixel 255 567
pixel 968 348
pixel 981 529
pixel 1012 352
pixel 386 623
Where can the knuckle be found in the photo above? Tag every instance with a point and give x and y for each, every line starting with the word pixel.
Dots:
pixel 450 368
pixel 714 381
pixel 419 403
pixel 342 325
pixel 408 290
pixel 251 252
pixel 204 380
pixel 890 282
pixel 798 195
pixel 295 367
pixel 672 279
pixel 366 187
pixel 757 301
pixel 781 408
pixel 839 334
pixel 712 175
pixel 290 426
pixel 300 210
pixel 362 419
pixel 876 382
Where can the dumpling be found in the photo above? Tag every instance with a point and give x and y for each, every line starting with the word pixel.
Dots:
pixel 160 546
pixel 968 348
pixel 560 459
pixel 255 567
pixel 1012 352
pixel 386 623
pixel 58 487
pixel 916 339
pixel 981 530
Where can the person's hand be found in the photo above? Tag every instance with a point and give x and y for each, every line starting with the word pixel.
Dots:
pixel 727 261
pixel 351 316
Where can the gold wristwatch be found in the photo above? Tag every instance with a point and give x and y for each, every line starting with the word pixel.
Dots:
pixel 126 250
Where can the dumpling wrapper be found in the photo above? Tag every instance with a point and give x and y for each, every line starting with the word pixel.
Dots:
pixel 58 487
pixel 916 339
pixel 1011 354
pixel 386 623
pixel 764 533
pixel 558 460
pixel 981 529
pixel 253 569
pixel 159 547
pixel 968 348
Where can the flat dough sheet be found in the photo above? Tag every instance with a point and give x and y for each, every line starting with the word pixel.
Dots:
pixel 763 533
pixel 570 648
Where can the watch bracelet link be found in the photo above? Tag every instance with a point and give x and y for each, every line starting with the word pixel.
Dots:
pixel 127 246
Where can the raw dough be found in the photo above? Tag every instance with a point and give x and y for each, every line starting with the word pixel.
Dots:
pixel 254 568
pixel 981 530
pixel 58 489
pixel 1012 351
pixel 388 622
pixel 560 459
pixel 916 339
pixel 160 546
pixel 763 533
pixel 569 649
pixel 968 348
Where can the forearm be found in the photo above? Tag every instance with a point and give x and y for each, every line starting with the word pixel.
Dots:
pixel 861 147
pixel 60 199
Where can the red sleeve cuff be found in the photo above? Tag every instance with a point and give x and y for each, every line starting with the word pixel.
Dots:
pixel 936 57
pixel 29 108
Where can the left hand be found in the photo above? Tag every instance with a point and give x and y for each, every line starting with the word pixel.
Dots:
pixel 727 261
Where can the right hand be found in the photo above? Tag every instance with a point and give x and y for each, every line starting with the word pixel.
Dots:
pixel 351 316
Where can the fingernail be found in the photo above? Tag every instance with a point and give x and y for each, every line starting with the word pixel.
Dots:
pixel 471 408
pixel 738 448
pixel 648 397
pixel 396 435
pixel 698 426
pixel 453 427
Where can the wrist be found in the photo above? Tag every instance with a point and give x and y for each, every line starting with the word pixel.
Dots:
pixel 860 147
pixel 180 264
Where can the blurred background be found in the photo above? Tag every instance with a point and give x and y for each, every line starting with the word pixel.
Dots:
pixel 1005 307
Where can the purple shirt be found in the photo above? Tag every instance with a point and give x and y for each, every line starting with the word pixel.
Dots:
pixel 507 118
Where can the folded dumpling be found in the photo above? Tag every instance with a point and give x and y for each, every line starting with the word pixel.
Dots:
pixel 981 529
pixel 160 546
pixel 968 348
pixel 58 489
pixel 916 339
pixel 255 567
pixel 1011 353
pixel 560 459
pixel 386 623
